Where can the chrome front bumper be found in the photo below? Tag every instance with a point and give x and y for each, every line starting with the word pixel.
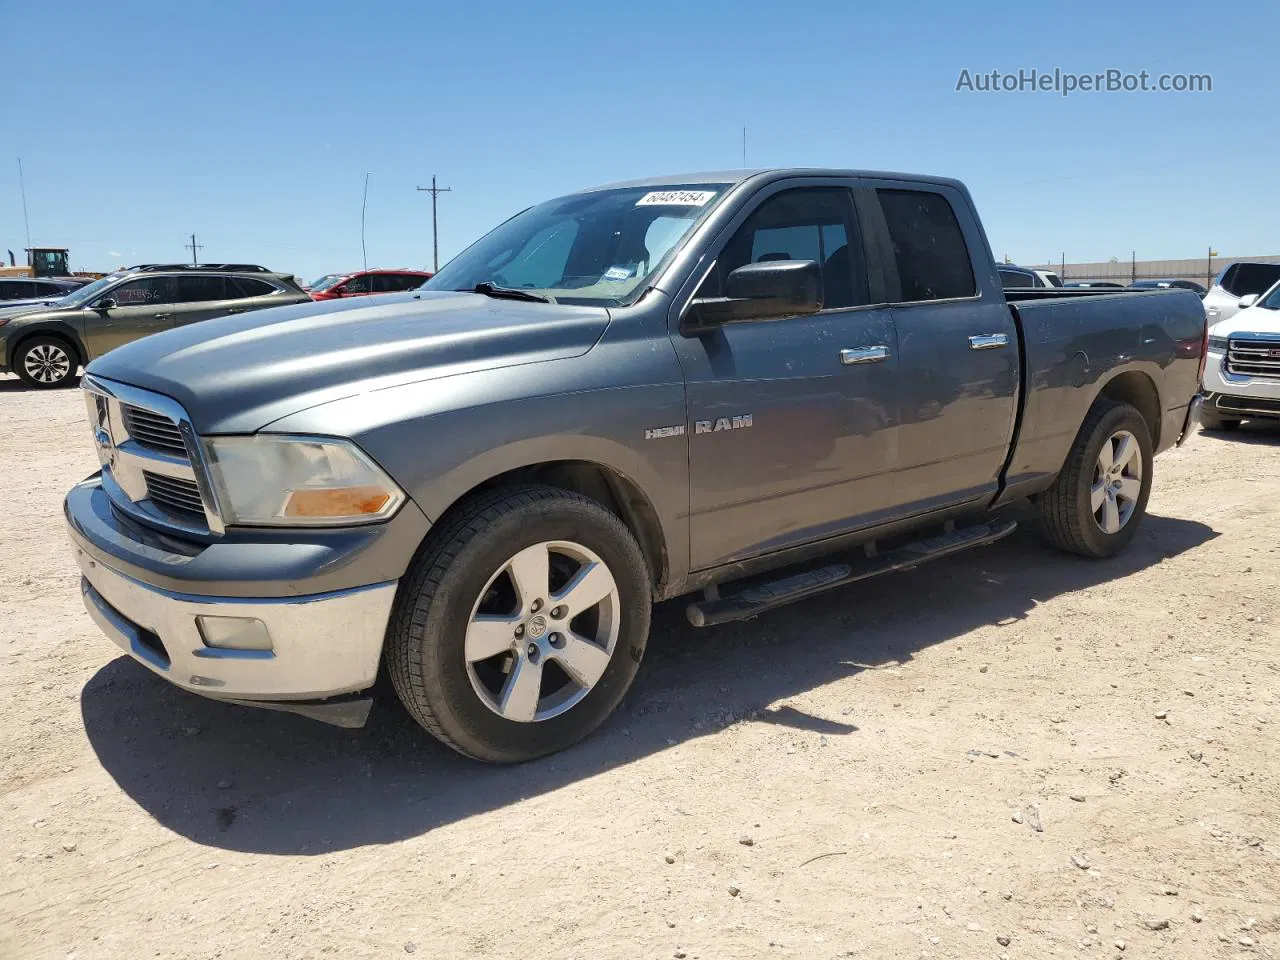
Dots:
pixel 321 645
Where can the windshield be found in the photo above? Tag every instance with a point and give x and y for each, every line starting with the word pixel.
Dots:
pixel 327 281
pixel 1272 300
pixel 87 293
pixel 597 248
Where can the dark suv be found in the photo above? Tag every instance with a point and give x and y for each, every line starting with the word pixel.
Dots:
pixel 45 343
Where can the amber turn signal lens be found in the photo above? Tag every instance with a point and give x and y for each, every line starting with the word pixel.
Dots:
pixel 339 502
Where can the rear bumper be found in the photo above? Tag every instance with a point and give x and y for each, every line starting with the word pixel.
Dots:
pixel 1191 426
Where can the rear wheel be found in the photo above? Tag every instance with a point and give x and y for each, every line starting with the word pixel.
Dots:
pixel 1095 506
pixel 46 362
pixel 521 626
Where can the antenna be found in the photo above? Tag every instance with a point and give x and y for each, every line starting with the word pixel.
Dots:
pixel 22 185
pixel 364 204
pixel 744 148
pixel 194 248
pixel 435 233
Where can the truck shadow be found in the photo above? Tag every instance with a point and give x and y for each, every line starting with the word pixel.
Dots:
pixel 264 782
pixel 1251 431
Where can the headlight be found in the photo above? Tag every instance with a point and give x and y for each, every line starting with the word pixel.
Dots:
pixel 288 481
pixel 1218 344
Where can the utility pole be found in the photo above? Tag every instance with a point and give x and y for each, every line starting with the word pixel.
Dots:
pixel 1208 272
pixel 194 248
pixel 435 232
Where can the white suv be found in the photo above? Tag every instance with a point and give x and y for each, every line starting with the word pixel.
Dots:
pixel 1236 281
pixel 1242 372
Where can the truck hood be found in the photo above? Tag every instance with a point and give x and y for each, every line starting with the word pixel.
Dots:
pixel 237 374
pixel 1250 320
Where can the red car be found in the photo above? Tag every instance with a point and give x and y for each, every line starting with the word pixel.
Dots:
pixel 334 285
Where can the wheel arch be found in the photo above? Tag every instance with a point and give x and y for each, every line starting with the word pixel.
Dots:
pixel 1139 391
pixel 609 486
pixel 52 328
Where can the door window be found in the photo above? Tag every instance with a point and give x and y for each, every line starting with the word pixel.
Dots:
pixel 200 289
pixel 811 223
pixel 145 292
pixel 17 290
pixel 357 284
pixel 933 261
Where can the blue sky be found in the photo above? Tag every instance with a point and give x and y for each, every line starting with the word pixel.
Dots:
pixel 253 124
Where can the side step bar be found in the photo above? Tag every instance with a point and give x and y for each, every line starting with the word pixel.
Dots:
pixel 756 599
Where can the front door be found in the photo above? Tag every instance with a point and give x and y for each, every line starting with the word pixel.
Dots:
pixel 142 307
pixel 792 433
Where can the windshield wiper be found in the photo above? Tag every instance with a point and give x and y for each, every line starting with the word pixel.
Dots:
pixel 491 289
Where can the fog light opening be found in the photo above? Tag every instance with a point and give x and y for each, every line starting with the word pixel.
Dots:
pixel 234 633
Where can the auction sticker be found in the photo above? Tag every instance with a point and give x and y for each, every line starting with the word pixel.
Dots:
pixel 676 198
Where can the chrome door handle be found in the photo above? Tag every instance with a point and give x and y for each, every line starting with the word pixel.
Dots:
pixel 864 355
pixel 989 341
pixel 163 316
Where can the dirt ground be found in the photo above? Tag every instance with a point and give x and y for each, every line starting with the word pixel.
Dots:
pixel 859 776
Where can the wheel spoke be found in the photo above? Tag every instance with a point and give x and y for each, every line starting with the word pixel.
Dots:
pixel 1129 490
pixel 1110 514
pixel 582 660
pixel 590 585
pixel 530 571
pixel 489 636
pixel 1106 456
pixel 1097 494
pixel 521 692
pixel 1125 450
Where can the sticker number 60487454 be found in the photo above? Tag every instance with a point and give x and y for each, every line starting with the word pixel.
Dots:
pixel 676 198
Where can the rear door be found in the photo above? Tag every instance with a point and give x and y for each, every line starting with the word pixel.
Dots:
pixel 958 362
pixel 250 293
pixel 792 435
pixel 201 297
pixel 142 307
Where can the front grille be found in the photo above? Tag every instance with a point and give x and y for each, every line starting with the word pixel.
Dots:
pixel 174 495
pixel 153 430
pixel 1254 358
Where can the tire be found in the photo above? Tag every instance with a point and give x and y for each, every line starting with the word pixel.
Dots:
pixel 1210 419
pixel 1068 518
pixel 46 362
pixel 461 601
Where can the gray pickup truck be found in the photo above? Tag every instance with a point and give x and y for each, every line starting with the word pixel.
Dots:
pixel 748 387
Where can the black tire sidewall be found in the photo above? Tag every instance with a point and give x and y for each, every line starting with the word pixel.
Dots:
pixel 20 356
pixel 1116 419
pixel 475 728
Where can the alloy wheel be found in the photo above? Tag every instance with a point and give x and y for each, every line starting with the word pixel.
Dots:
pixel 1117 482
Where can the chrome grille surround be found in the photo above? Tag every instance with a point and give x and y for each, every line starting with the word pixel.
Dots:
pixel 126 460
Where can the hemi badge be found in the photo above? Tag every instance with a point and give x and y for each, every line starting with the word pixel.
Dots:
pixel 659 433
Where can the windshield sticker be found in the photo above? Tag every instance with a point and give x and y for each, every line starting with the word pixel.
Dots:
pixel 676 198
pixel 619 273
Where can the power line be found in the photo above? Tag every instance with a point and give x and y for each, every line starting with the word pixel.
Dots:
pixel 22 185
pixel 435 233
pixel 364 205
pixel 195 248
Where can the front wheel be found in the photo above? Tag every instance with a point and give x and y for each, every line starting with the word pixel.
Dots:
pixel 1096 504
pixel 45 362
pixel 521 625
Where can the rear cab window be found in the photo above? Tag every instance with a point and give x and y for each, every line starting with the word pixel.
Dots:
pixel 928 244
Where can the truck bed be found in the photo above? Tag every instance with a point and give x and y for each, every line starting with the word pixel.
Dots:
pixel 1077 339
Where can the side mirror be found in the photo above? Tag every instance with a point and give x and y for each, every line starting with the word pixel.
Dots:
pixel 768 290
pixel 1247 301
pixel 105 304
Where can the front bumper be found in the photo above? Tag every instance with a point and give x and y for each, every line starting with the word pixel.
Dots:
pixel 320 644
